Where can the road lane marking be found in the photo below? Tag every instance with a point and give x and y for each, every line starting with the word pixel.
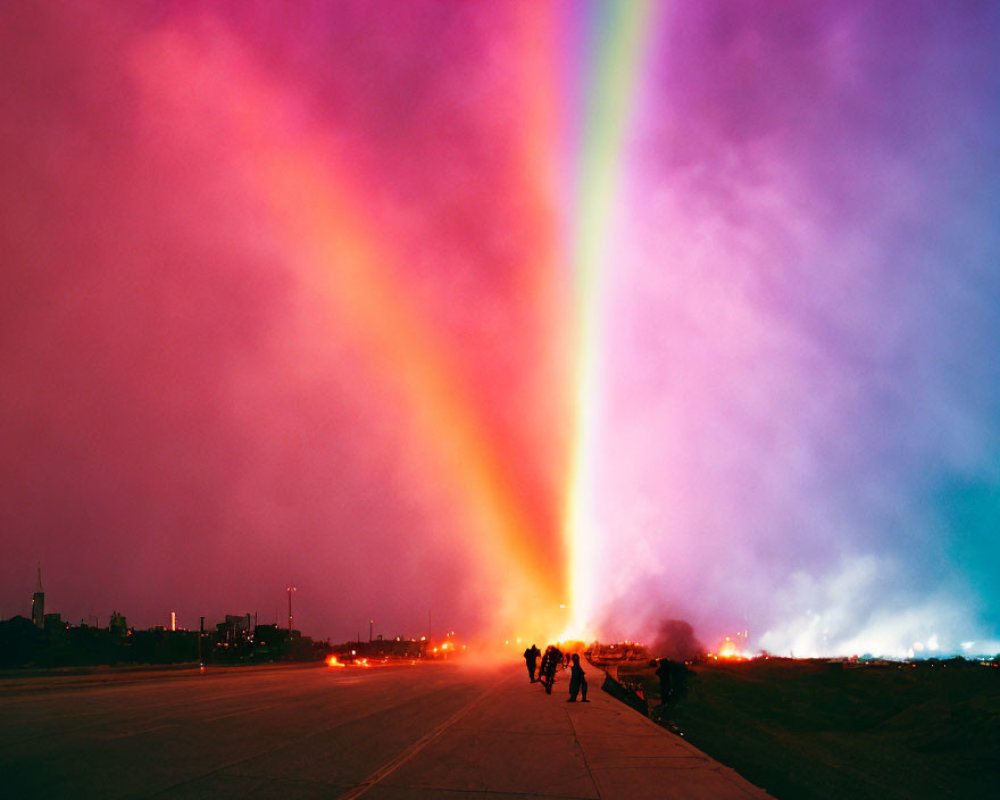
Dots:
pixel 412 694
pixel 414 749
pixel 240 713
pixel 136 733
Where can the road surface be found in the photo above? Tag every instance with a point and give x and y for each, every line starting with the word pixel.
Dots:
pixel 425 731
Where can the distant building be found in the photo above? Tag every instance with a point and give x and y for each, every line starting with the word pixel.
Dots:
pixel 235 629
pixel 118 625
pixel 272 641
pixel 38 603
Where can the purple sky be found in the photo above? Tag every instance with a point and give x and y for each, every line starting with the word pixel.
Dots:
pixel 802 417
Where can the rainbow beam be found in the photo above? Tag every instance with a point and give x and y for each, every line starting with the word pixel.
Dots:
pixel 614 39
pixel 313 203
pixel 313 206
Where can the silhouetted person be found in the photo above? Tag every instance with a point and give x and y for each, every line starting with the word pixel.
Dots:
pixel 663 673
pixel 550 662
pixel 671 675
pixel 543 667
pixel 530 657
pixel 577 681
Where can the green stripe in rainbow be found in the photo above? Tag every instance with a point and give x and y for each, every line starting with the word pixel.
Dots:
pixel 617 34
pixel 314 206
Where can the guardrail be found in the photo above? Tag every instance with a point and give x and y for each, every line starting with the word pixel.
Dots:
pixel 629 690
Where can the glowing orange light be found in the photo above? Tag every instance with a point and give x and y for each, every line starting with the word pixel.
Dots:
pixel 333 662
pixel 729 650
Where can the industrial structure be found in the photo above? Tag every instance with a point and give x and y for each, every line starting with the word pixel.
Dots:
pixel 38 603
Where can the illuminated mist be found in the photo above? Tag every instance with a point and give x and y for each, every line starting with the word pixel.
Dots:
pixel 536 318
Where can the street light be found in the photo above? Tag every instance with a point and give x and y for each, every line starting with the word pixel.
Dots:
pixel 290 590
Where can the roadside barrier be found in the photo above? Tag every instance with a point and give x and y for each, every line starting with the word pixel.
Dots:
pixel 626 694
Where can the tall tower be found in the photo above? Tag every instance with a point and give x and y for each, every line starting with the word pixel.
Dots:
pixel 38 603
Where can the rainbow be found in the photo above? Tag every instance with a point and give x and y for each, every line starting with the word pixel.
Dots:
pixel 314 201
pixel 314 207
pixel 615 40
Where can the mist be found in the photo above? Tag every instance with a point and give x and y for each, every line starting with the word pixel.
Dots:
pixel 800 426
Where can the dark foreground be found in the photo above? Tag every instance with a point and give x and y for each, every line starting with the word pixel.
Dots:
pixel 427 731
pixel 808 730
pixel 292 732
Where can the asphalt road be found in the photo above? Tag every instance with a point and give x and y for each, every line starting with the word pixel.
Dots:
pixel 429 731
pixel 289 733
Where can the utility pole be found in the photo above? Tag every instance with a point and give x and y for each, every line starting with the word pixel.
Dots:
pixel 290 590
pixel 371 628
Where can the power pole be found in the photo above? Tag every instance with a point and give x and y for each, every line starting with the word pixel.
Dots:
pixel 290 590
pixel 371 628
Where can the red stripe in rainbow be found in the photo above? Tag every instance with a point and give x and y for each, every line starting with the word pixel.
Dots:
pixel 312 204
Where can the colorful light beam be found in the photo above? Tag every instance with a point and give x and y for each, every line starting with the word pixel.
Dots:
pixel 615 38
pixel 313 206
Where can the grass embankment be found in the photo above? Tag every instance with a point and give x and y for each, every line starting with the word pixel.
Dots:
pixel 808 730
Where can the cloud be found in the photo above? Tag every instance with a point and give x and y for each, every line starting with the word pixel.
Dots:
pixel 865 606
pixel 799 313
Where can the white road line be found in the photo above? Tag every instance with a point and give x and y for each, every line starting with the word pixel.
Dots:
pixel 239 713
pixel 389 767
pixel 137 733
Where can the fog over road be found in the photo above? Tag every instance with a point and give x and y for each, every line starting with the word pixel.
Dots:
pixel 427 731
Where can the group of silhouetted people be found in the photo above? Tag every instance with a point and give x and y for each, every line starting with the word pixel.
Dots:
pixel 553 659
pixel 672 674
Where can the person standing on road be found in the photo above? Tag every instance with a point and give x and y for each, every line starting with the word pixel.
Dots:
pixel 577 681
pixel 530 657
pixel 543 668
pixel 552 659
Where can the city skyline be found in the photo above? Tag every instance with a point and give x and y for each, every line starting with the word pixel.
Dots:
pixel 37 609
